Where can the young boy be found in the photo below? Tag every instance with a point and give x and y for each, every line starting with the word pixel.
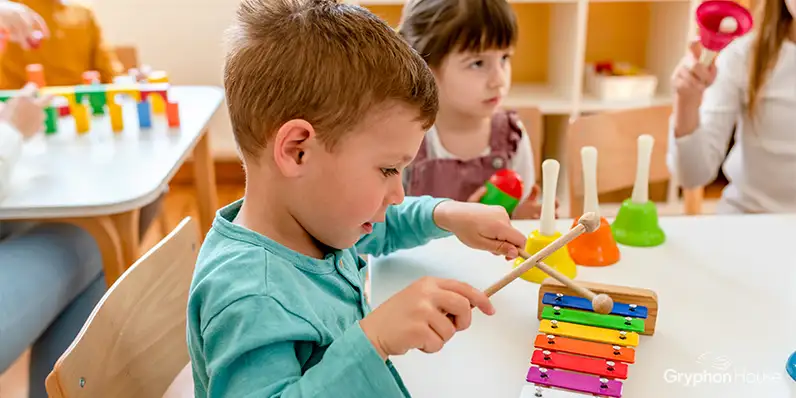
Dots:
pixel 74 45
pixel 328 105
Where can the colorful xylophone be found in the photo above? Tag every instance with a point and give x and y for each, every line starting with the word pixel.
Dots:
pixel 582 353
pixel 100 97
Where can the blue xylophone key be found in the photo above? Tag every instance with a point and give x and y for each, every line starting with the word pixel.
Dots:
pixel 580 303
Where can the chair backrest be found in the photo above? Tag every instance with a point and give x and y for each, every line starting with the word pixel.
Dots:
pixel 533 119
pixel 133 343
pixel 615 134
pixel 128 56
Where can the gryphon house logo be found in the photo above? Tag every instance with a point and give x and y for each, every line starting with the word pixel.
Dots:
pixel 718 369
pixel 719 362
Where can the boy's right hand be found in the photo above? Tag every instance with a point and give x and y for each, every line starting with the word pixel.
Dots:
pixel 25 112
pixel 425 315
pixel 691 78
pixel 21 24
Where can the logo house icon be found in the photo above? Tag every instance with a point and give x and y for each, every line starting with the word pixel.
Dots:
pixel 718 362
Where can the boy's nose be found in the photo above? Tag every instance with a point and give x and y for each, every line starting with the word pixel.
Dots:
pixel 396 194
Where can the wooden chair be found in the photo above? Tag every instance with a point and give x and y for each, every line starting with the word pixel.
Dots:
pixel 133 343
pixel 533 120
pixel 615 134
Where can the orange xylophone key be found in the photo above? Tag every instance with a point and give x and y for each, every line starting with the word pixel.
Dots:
pixel 576 363
pixel 586 348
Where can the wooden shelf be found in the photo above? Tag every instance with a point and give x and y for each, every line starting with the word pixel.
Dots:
pixel 547 98
pixel 591 104
pixel 642 34
pixel 557 38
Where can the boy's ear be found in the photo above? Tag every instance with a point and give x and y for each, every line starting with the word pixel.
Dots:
pixel 290 147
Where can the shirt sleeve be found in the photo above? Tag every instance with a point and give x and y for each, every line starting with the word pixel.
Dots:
pixel 523 164
pixel 104 58
pixel 10 148
pixel 697 157
pixel 407 225
pixel 250 351
pixel 12 68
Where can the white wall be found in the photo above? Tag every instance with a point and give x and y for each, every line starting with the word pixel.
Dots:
pixel 182 37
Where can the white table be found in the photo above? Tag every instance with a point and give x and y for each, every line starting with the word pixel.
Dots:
pixel 726 323
pixel 100 180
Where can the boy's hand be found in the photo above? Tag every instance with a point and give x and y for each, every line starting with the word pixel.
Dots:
pixel 21 24
pixel 480 227
pixel 418 316
pixel 25 112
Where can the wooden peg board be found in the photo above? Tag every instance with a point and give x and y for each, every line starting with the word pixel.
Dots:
pixel 620 294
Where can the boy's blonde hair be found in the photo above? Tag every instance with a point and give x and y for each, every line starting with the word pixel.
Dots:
pixel 320 61
pixel 436 28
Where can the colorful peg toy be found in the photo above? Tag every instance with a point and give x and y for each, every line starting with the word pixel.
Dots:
pixel 504 188
pixel 76 101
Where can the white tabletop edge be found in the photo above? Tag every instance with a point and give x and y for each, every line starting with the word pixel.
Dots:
pixel 141 200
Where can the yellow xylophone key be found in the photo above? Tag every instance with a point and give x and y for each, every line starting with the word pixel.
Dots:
pixel 590 333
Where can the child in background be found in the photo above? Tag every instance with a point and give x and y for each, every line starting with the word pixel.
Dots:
pixel 75 45
pixel 50 274
pixel 468 45
pixel 752 89
pixel 325 130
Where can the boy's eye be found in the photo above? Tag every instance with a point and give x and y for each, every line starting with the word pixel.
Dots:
pixel 506 57
pixel 477 64
pixel 389 172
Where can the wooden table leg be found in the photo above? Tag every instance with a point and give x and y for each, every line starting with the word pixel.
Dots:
pixel 205 182
pixel 693 200
pixel 127 226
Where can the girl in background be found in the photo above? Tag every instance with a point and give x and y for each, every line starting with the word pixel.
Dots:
pixel 468 45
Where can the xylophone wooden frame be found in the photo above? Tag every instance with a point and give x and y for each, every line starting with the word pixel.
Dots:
pixel 619 294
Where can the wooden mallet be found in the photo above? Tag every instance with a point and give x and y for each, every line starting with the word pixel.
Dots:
pixel 589 222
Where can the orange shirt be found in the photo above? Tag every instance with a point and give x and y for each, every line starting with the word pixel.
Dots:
pixel 75 45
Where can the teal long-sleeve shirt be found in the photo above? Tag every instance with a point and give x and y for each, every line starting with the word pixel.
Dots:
pixel 266 321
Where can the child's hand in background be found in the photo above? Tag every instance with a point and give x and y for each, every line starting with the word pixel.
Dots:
pixel 417 317
pixel 531 208
pixel 25 112
pixel 476 196
pixel 480 227
pixel 21 24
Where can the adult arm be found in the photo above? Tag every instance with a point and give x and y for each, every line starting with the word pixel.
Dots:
pixel 699 140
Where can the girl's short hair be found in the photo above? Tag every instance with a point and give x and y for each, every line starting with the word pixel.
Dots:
pixel 436 28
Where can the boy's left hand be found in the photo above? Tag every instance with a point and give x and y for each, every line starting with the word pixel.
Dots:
pixel 481 227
